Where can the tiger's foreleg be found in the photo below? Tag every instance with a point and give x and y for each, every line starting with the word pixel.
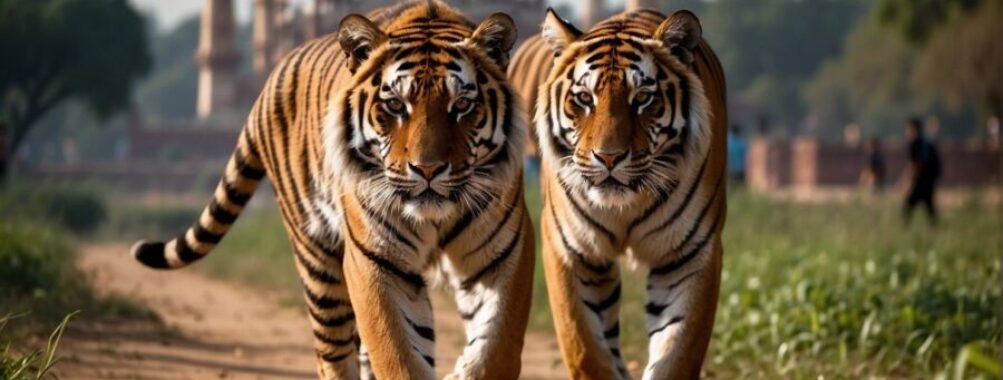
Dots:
pixel 388 292
pixel 584 292
pixel 682 300
pixel 493 288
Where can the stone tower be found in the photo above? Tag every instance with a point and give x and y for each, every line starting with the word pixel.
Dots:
pixel 591 13
pixel 217 58
pixel 263 36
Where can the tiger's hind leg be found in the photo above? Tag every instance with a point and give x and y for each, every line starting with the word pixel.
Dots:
pixel 682 300
pixel 329 308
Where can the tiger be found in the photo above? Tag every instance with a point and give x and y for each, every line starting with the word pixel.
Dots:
pixel 630 119
pixel 394 148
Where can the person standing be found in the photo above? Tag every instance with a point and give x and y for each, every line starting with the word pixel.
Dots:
pixel 923 170
pixel 736 155
pixel 873 175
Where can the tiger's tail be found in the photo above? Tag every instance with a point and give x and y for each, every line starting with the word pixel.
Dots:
pixel 241 178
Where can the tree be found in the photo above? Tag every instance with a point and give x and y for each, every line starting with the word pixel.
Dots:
pixel 868 85
pixel 962 63
pixel 770 48
pixel 57 50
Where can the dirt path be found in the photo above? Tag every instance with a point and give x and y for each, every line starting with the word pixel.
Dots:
pixel 213 329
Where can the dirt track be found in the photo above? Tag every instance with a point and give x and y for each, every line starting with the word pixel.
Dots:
pixel 213 329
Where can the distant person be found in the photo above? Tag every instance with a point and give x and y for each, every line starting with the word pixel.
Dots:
pixel 922 172
pixel 873 175
pixel 737 148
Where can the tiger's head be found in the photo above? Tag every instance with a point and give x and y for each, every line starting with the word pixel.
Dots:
pixel 430 125
pixel 622 109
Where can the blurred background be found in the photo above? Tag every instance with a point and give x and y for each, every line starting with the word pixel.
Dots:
pixel 117 117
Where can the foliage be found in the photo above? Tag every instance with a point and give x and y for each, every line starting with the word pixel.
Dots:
pixel 969 52
pixel 77 208
pixel 35 364
pixel 917 20
pixel 38 278
pixel 868 85
pixel 766 52
pixel 90 50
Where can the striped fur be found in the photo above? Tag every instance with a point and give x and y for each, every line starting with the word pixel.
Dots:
pixel 394 147
pixel 631 122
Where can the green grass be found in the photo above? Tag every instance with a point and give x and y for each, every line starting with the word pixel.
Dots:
pixel 846 291
pixel 840 290
pixel 16 364
pixel 38 279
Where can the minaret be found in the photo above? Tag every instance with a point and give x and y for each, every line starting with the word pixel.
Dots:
pixel 263 37
pixel 217 58
pixel 634 5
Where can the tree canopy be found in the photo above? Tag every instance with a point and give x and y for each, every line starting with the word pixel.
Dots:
pixel 90 50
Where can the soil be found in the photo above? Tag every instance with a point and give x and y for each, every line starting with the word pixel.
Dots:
pixel 213 329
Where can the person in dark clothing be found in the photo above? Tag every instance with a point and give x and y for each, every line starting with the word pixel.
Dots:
pixel 923 171
pixel 873 175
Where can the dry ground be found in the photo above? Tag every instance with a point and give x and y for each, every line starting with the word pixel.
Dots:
pixel 213 329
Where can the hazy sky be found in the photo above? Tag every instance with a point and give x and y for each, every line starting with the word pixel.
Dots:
pixel 169 12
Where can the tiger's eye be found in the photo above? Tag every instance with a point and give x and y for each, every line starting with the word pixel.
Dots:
pixel 642 97
pixel 584 98
pixel 461 105
pixel 394 105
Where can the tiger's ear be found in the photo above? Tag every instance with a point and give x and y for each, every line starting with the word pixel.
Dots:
pixel 496 35
pixel 358 37
pixel 680 33
pixel 558 33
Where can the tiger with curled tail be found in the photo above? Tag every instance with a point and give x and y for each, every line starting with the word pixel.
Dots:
pixel 394 146
pixel 631 122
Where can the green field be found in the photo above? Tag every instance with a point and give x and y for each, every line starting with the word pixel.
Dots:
pixel 844 290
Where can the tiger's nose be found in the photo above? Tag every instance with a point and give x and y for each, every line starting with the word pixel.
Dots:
pixel 427 171
pixel 610 159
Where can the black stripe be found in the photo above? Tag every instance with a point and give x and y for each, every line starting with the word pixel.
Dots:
pixel 689 196
pixel 655 309
pixel 423 331
pixel 234 195
pixel 588 218
pixel 386 225
pixel 221 214
pixel 671 322
pixel 599 269
pixel 205 236
pixel 332 358
pixel 152 255
pixel 321 301
pixel 338 321
pixel 460 225
pixel 504 254
pixel 613 332
pixel 611 300
pixel 504 222
pixel 245 169
pixel 185 251
pixel 413 279
pixel 315 273
pixel 331 341
pixel 678 263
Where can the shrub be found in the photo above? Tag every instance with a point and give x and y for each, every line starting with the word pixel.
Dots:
pixel 79 209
